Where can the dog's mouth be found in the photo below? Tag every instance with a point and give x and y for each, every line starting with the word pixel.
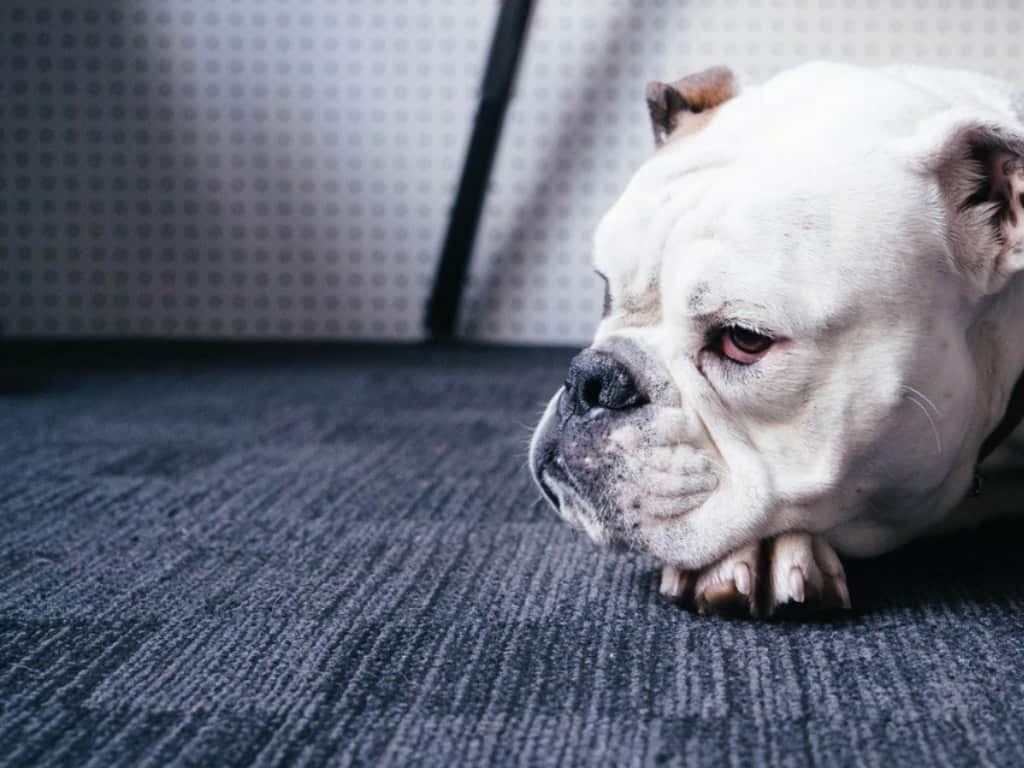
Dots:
pixel 545 473
pixel 547 490
pixel 618 516
pixel 564 493
pixel 560 492
pixel 570 500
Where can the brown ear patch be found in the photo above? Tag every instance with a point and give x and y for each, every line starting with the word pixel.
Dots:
pixel 676 106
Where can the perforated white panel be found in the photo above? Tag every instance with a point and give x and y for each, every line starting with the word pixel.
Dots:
pixel 285 167
pixel 202 167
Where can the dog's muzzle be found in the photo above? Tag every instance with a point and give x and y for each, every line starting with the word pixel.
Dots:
pixel 600 391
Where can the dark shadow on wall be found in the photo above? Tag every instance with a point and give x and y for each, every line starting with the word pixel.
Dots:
pixel 156 185
pixel 262 204
pixel 578 122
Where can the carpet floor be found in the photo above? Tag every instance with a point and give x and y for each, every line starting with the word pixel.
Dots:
pixel 215 555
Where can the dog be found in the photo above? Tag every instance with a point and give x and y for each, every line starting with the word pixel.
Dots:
pixel 812 330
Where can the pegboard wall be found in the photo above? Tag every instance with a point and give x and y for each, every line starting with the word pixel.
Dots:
pixel 284 168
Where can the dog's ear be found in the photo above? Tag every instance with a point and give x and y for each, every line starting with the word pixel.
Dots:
pixel 684 106
pixel 981 178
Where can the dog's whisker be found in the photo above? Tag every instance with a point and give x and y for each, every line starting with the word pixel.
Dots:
pixel 931 421
pixel 923 396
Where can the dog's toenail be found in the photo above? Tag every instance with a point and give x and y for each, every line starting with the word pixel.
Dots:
pixel 843 592
pixel 796 585
pixel 741 578
pixel 671 582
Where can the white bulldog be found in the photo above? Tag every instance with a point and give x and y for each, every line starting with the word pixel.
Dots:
pixel 812 330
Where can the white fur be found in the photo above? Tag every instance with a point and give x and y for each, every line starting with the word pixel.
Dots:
pixel 806 208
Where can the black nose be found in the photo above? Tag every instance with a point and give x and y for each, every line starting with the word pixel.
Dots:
pixel 598 380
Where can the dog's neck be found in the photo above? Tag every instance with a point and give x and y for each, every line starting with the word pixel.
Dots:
pixel 1000 367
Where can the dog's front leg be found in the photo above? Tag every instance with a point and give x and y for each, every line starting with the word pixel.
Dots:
pixel 794 574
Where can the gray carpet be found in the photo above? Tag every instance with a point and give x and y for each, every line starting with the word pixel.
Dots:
pixel 332 555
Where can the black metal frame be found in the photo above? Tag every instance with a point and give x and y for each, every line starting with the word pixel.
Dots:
pixel 502 62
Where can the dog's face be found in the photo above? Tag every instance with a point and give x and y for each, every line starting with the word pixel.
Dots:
pixel 790 337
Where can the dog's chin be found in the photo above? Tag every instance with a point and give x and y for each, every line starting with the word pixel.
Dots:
pixel 656 530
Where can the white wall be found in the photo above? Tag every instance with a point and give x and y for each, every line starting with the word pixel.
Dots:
pixel 212 168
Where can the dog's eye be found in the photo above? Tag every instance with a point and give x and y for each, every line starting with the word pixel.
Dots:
pixel 744 346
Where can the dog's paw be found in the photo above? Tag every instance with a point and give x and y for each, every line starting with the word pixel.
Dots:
pixel 790 576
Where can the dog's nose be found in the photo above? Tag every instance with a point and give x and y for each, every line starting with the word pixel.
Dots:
pixel 598 380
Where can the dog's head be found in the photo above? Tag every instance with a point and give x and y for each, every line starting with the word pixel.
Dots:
pixel 808 297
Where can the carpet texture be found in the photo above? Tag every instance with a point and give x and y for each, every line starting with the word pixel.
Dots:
pixel 334 555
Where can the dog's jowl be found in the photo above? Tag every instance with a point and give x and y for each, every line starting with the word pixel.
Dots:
pixel 810 334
